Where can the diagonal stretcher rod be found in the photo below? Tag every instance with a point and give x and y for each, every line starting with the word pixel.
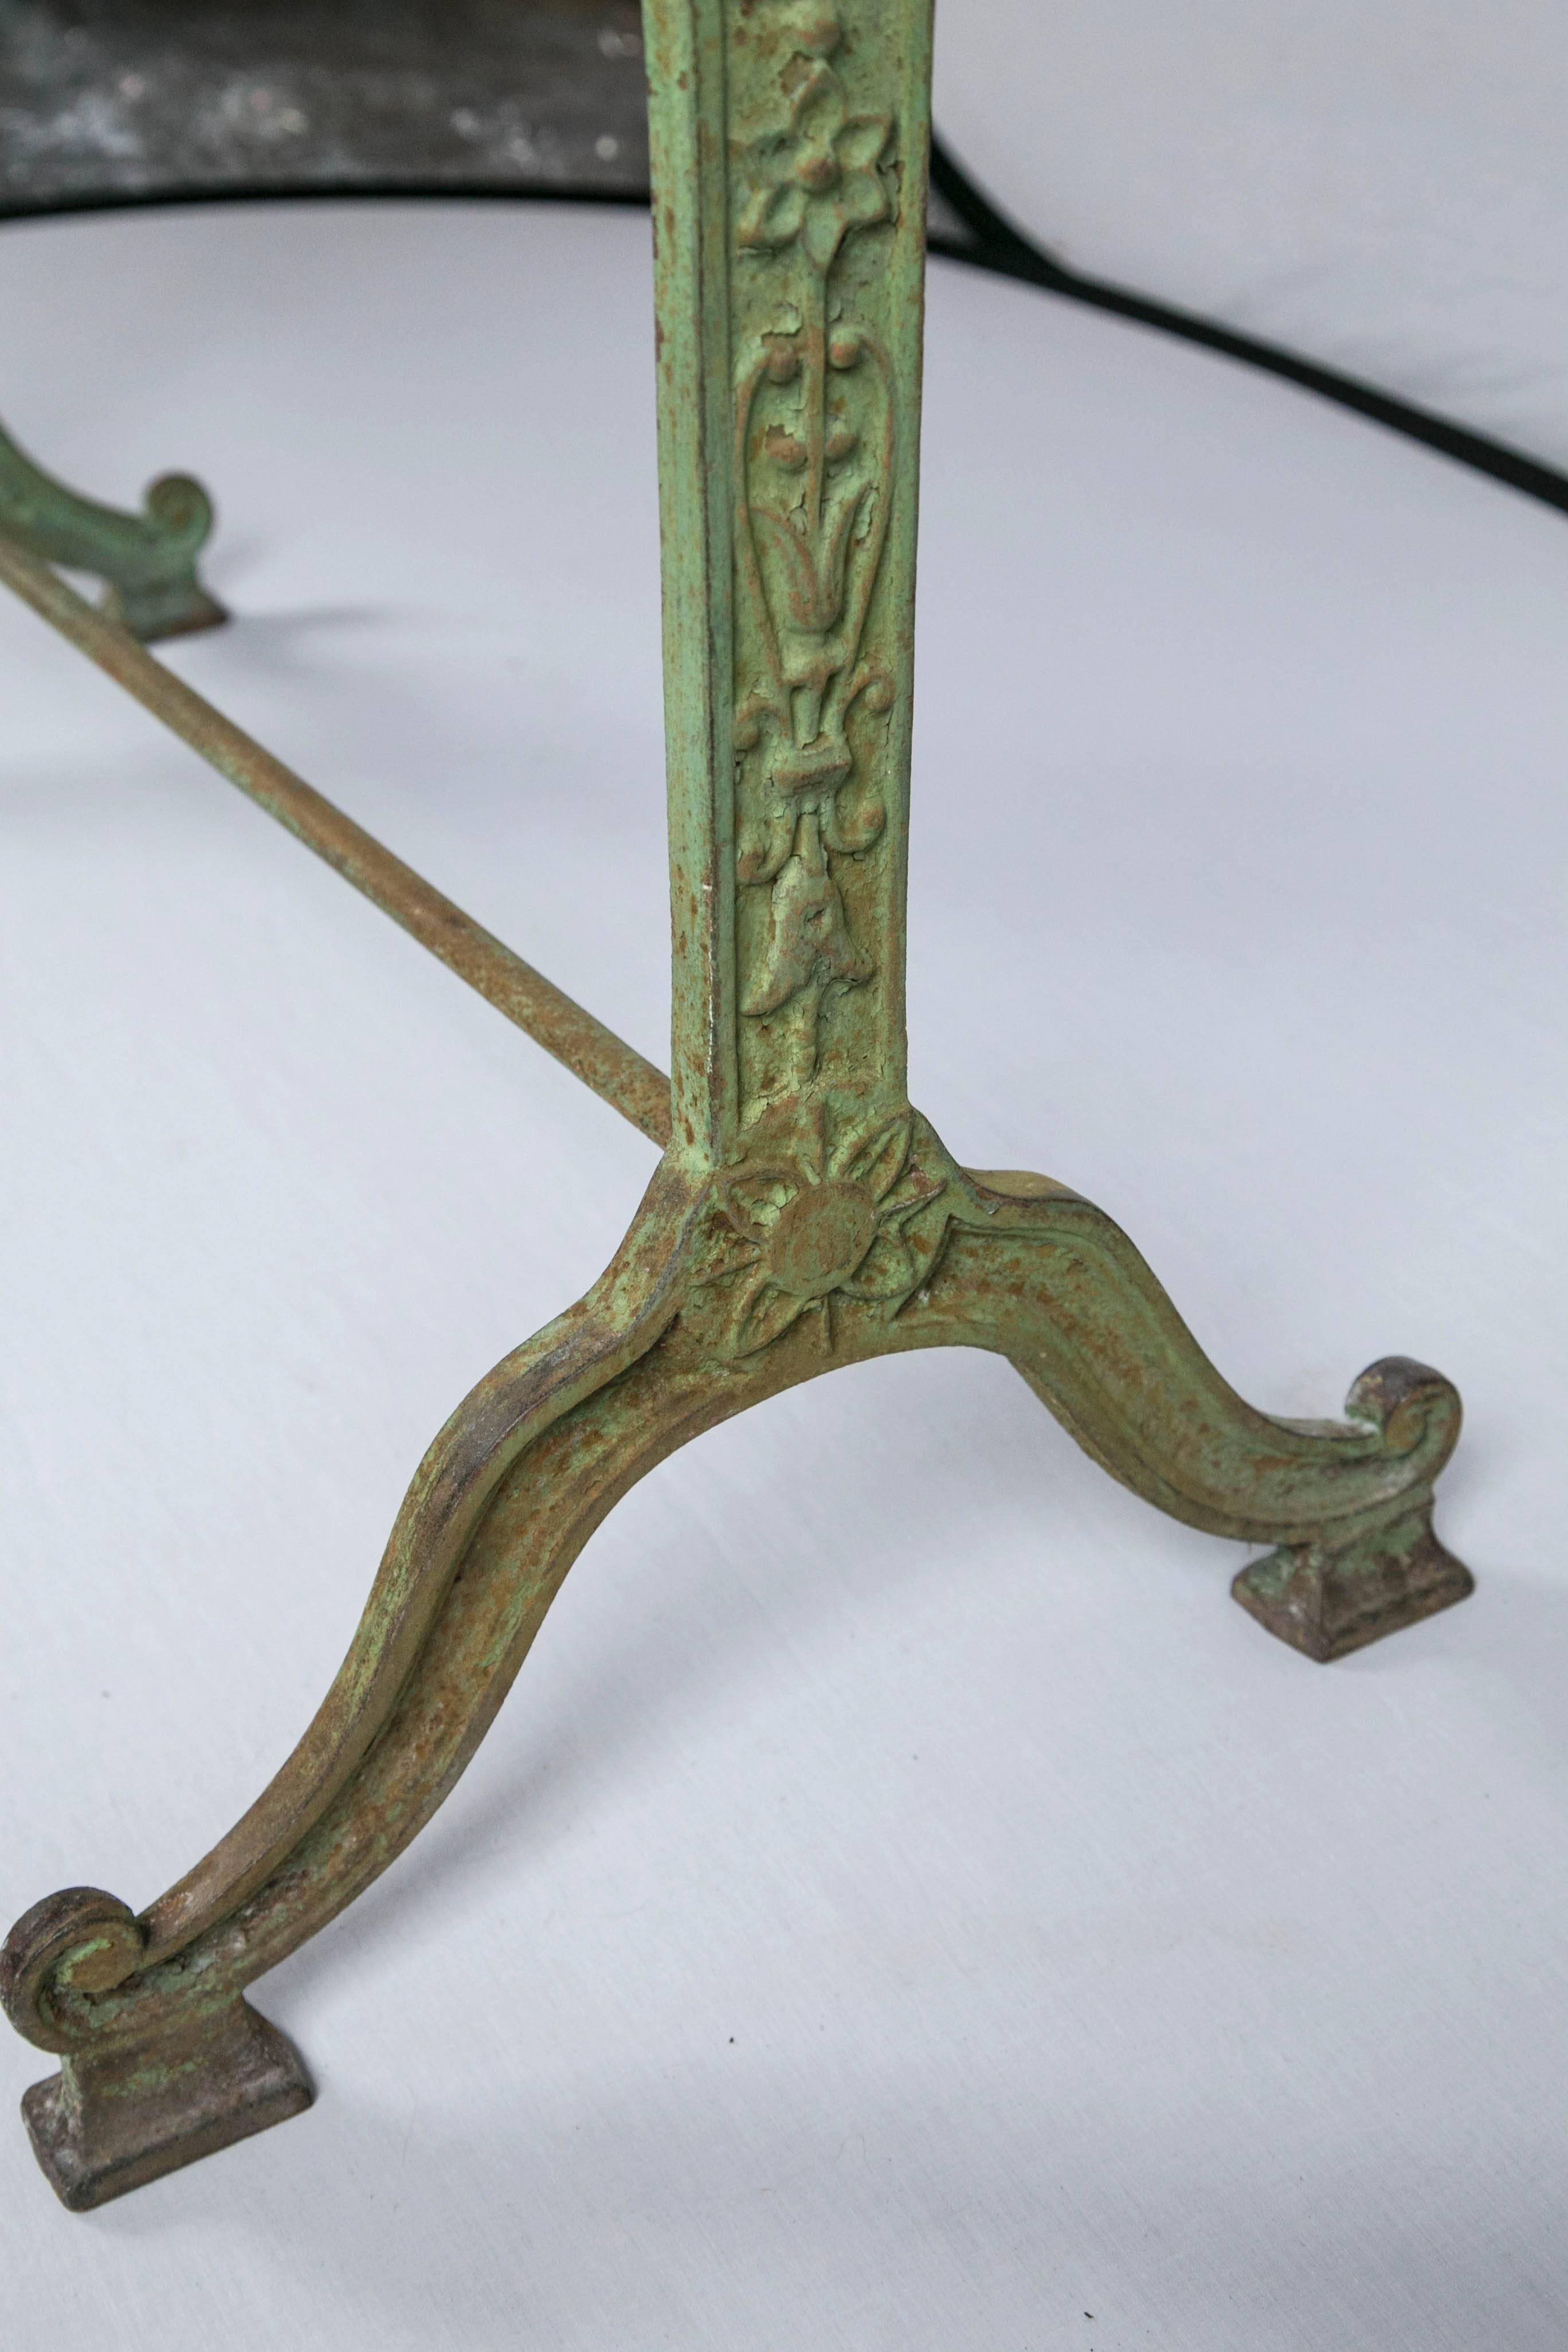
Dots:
pixel 614 1070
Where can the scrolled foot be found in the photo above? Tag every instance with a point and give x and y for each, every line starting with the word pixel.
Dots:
pixel 1348 1585
pixel 147 560
pixel 169 603
pixel 1049 1280
pixel 135 2096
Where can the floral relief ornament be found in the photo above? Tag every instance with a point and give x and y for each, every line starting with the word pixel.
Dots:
pixel 820 179
pixel 814 1225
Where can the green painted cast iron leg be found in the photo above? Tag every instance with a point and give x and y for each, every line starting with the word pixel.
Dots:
pixel 149 561
pixel 803 1215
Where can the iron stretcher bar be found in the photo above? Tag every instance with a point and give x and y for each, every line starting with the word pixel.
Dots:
pixel 614 1070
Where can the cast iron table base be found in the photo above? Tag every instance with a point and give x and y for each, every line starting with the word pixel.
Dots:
pixel 802 1215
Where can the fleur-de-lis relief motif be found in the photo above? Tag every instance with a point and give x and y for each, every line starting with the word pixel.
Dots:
pixel 814 460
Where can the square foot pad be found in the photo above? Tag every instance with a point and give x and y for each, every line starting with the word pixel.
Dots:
pixel 112 2122
pixel 1327 1603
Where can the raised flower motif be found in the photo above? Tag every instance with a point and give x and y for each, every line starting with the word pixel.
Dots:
pixel 819 179
pixel 816 1225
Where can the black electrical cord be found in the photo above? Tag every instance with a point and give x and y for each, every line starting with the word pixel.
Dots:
pixel 995 244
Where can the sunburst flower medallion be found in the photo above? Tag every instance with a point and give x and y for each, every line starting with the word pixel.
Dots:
pixel 814 1225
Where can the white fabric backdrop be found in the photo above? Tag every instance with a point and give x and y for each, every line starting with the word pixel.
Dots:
pixel 904 1907
pixel 1381 184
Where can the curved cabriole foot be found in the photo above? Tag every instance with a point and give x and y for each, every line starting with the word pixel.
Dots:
pixel 147 560
pixel 830 1244
pixel 1348 1505
pixel 162 2060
